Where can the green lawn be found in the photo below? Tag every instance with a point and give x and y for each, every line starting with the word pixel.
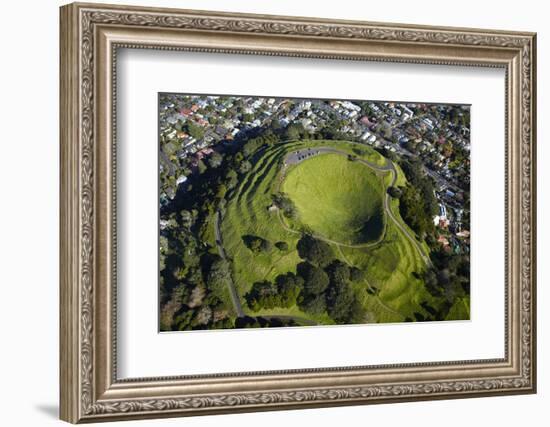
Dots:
pixel 334 197
pixel 460 310
pixel 338 199
pixel 247 214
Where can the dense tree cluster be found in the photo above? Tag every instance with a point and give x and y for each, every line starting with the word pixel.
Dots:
pixel 343 303
pixel 294 131
pixel 449 279
pixel 416 176
pixel 413 211
pixel 315 279
pixel 193 287
pixel 417 203
pixel 315 251
pixel 282 293
pixel 322 284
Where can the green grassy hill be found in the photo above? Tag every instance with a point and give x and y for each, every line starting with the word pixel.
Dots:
pixel 338 199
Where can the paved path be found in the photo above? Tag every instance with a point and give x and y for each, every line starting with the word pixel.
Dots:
pixel 232 290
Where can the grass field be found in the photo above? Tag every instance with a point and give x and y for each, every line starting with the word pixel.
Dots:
pixel 338 199
pixel 341 200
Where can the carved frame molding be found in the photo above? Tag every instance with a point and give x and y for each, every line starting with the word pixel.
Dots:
pixel 90 36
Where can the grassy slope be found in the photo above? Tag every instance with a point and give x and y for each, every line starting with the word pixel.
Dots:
pixel 390 268
pixel 460 310
pixel 247 214
pixel 337 199
pixel 389 265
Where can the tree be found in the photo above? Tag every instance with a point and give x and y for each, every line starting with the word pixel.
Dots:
pixel 340 297
pixel 202 167
pixel 282 246
pixel 187 219
pixel 204 315
pixel 231 179
pixel 413 210
pixel 256 244
pixel 394 192
pixel 263 295
pixel 315 305
pixel 196 296
pixel 357 311
pixel 315 251
pixel 339 272
pixel 342 302
pixel 218 277
pixel 288 281
pixel 183 320
pixel 215 159
pixel 265 245
pixel 194 130
pixel 414 171
pixel 190 257
pixel 282 293
pixel 289 287
pixel 244 166
pixel 194 276
pixel 315 278
pixel 285 204
pixel 293 131
pixel 247 322
pixel 356 274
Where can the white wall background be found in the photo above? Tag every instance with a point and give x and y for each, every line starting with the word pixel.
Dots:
pixel 29 170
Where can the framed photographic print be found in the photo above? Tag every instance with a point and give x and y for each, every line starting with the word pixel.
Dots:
pixel 266 212
pixel 300 212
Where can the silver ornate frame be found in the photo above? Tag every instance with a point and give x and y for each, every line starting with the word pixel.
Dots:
pixel 90 36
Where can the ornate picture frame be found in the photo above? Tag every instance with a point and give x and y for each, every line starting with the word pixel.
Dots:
pixel 90 37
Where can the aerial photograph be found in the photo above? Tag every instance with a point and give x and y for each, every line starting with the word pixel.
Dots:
pixel 277 212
